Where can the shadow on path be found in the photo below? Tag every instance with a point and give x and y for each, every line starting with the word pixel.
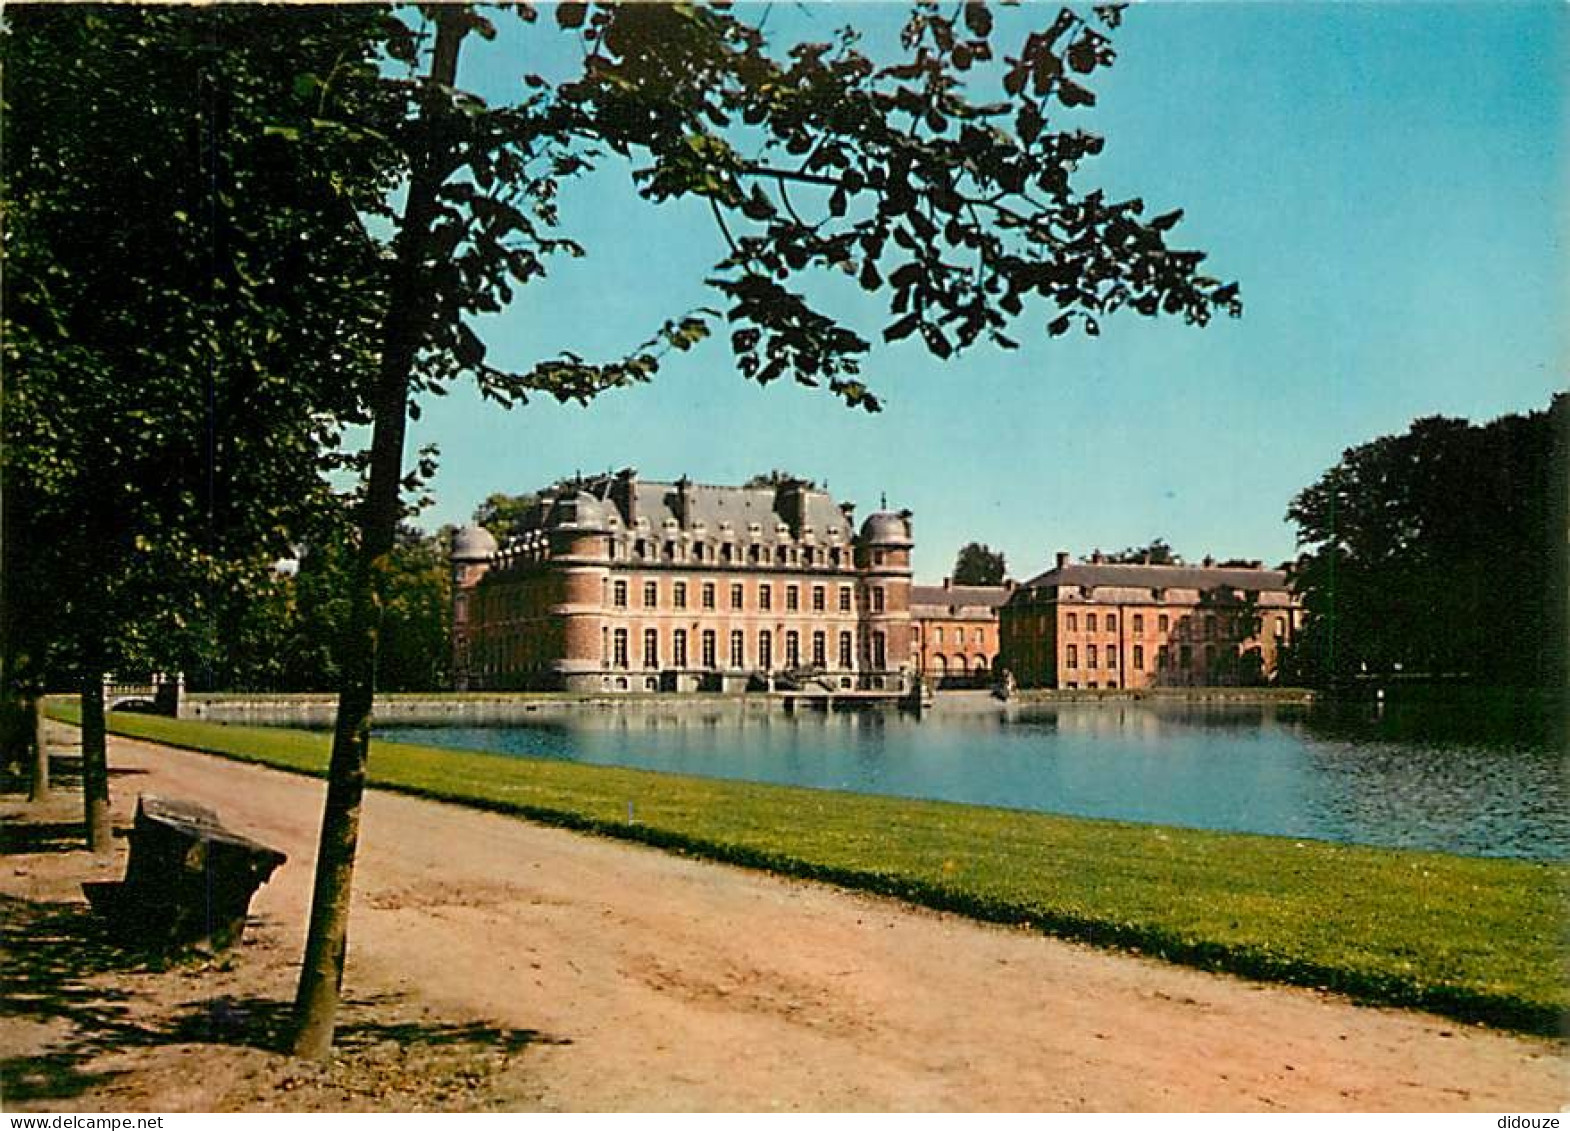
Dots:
pixel 60 965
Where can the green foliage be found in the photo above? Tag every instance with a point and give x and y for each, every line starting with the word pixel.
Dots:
pixel 778 478
pixel 1473 938
pixel 188 294
pixel 1156 553
pixel 505 516
pixel 291 634
pixel 977 564
pixel 1431 554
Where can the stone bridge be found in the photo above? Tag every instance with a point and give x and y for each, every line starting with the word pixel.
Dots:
pixel 159 695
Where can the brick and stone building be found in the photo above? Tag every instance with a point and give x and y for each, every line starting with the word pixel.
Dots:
pixel 1097 624
pixel 955 631
pixel 620 584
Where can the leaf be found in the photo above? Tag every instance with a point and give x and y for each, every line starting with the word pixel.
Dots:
pixel 570 16
pixel 978 18
pixel 1059 326
pixel 1071 93
pixel 902 329
pixel 1082 55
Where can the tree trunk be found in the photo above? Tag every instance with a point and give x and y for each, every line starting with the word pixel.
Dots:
pixel 408 311
pixel 34 722
pixel 95 765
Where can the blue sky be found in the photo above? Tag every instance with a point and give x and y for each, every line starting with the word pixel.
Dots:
pixel 1387 183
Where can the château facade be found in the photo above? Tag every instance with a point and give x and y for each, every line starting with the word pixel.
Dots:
pixel 1097 624
pixel 625 585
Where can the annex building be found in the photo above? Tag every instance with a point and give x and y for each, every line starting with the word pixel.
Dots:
pixel 1099 624
pixel 955 632
pixel 619 584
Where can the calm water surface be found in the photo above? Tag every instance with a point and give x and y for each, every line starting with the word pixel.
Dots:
pixel 1491 785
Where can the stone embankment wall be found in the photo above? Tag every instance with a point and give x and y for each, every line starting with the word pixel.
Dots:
pixel 479 709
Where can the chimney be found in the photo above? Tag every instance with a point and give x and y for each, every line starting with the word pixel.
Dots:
pixel 1096 558
pixel 624 492
pixel 1062 558
pixel 684 501
pixel 948 583
pixel 1209 562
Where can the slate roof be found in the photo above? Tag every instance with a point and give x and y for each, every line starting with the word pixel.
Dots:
pixel 959 596
pixel 657 502
pixel 1138 576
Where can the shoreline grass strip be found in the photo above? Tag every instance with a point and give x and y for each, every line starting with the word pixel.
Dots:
pixel 1477 939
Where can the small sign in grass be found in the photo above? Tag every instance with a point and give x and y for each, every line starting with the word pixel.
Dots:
pixel 1473 938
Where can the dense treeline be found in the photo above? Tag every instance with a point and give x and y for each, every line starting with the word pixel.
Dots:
pixel 1438 553
pixel 289 638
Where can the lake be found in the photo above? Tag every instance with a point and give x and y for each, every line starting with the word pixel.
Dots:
pixel 1448 778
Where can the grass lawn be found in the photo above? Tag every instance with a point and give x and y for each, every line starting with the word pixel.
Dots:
pixel 1477 939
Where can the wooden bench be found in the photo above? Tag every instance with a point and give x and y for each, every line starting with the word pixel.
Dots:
pixel 189 880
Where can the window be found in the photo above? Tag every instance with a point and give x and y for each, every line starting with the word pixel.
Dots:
pixel 619 648
pixel 679 648
pixel 975 637
pixel 1186 656
pixel 877 600
pixel 844 598
pixel 736 645
pixel 1090 622
pixel 939 633
pixel 819 599
pixel 1139 657
pixel 708 594
pixel 820 650
pixel 765 649
pixel 1090 655
pixel 765 597
pixel 1281 627
pixel 708 648
pixel 793 649
pixel 619 595
pixel 1112 622
pixel 679 594
pixel 1163 623
pixel 1112 656
pixel 1073 656
pixel 1139 624
pixel 651 648
pixel 792 598
pixel 879 651
pixel 1073 622
pixel 735 596
pixel 845 650
pixel 651 594
pixel 1163 657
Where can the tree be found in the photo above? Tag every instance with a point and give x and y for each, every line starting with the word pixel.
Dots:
pixel 977 564
pixel 505 516
pixel 185 314
pixel 1430 553
pixel 778 478
pixel 1156 553
pixel 959 210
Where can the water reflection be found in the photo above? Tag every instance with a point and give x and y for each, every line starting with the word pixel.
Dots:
pixel 1392 778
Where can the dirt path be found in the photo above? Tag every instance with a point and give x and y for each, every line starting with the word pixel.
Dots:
pixel 500 964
